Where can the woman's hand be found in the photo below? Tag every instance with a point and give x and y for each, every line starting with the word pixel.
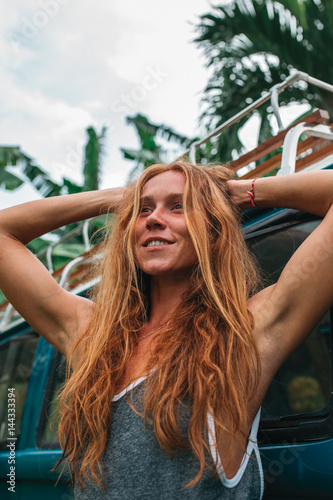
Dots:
pixel 238 193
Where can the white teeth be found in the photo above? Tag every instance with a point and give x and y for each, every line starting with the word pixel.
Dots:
pixel 157 242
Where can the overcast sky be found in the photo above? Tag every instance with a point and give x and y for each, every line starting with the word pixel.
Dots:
pixel 68 64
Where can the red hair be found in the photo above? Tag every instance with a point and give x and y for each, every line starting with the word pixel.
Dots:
pixel 205 354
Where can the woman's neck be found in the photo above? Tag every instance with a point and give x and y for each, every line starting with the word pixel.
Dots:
pixel 166 295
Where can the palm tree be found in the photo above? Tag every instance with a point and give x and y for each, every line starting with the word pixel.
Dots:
pixel 252 45
pixel 151 150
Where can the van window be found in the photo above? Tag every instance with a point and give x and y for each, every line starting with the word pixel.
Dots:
pixel 16 360
pixel 47 433
pixel 303 385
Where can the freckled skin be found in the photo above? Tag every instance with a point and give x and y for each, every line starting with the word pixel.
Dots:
pixel 162 217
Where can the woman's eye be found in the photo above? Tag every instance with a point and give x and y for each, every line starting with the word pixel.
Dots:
pixel 145 210
pixel 178 206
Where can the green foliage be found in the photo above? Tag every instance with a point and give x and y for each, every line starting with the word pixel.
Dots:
pixel 92 163
pixel 151 151
pixel 305 394
pixel 39 244
pixel 251 45
pixel 28 171
pixel 13 156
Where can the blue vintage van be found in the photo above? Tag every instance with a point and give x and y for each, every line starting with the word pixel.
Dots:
pixel 296 431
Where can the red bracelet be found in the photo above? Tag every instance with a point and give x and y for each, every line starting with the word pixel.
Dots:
pixel 251 193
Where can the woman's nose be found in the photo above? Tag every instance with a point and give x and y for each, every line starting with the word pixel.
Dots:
pixel 155 219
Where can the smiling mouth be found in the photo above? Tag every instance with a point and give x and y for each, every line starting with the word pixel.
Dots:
pixel 156 243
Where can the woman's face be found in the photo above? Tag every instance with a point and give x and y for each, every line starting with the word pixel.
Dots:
pixel 163 246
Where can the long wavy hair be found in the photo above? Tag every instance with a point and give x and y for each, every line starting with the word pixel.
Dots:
pixel 205 354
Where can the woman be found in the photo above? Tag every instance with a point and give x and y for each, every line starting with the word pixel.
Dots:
pixel 171 360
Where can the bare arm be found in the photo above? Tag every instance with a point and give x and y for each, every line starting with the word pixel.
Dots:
pixel 54 313
pixel 286 312
pixel 311 192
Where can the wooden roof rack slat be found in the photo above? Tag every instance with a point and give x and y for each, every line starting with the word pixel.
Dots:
pixel 314 157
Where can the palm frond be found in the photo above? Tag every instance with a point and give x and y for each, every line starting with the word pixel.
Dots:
pixel 150 151
pixel 93 155
pixel 40 180
pixel 148 130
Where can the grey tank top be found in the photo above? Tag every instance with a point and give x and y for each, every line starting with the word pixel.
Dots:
pixel 135 467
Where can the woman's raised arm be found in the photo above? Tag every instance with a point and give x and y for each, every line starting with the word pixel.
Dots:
pixel 285 313
pixel 57 315
pixel 308 191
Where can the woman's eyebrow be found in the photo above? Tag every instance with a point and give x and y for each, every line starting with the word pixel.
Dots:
pixel 169 198
pixel 175 197
pixel 146 199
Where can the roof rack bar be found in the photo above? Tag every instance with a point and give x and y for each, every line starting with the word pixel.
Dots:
pixel 228 123
pixel 314 81
pixel 289 153
pixel 78 261
pixel 49 257
pixel 191 155
pixel 7 316
pixel 68 268
pixel 275 106
pixel 85 234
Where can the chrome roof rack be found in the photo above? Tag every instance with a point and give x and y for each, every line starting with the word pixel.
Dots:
pixel 271 95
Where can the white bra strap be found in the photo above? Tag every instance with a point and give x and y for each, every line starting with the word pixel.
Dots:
pixel 255 426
